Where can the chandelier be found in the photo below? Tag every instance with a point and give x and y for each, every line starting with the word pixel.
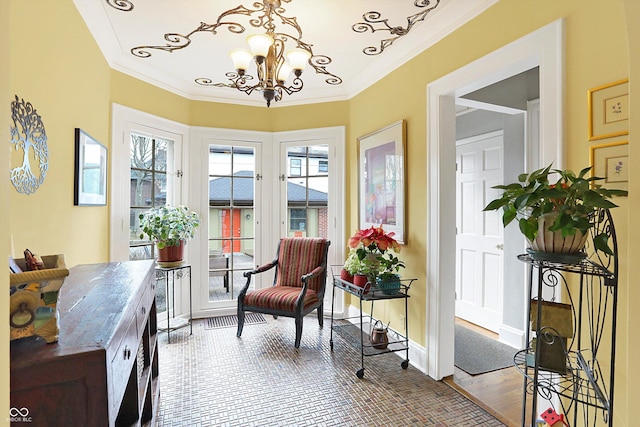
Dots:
pixel 273 52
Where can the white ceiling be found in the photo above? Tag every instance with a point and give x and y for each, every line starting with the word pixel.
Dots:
pixel 121 25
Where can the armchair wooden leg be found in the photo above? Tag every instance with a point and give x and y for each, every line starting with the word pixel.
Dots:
pixel 240 322
pixel 298 331
pixel 321 315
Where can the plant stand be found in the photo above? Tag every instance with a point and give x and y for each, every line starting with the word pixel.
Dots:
pixel 584 382
pixel 357 333
pixel 169 275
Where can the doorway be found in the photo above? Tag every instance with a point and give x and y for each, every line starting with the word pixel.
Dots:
pixel 479 241
pixel 543 49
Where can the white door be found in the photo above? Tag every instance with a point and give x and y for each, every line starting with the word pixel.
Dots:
pixel 479 242
pixel 310 191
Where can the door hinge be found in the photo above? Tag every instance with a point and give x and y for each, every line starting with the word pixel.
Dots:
pixel 258 177
pixel 179 173
pixel 282 177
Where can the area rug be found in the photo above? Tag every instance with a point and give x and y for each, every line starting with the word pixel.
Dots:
pixel 477 354
pixel 232 320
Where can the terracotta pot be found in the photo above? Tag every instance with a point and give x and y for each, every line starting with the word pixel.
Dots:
pixel 171 253
pixel 360 280
pixel 346 276
pixel 552 241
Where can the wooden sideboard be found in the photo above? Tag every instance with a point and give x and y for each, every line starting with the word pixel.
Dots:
pixel 103 371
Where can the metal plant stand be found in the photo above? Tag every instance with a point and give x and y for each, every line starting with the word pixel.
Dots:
pixel 584 384
pixel 357 332
pixel 169 275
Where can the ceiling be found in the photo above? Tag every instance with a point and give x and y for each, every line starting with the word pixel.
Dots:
pixel 121 26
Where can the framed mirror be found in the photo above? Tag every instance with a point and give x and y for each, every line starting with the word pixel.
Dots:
pixel 90 185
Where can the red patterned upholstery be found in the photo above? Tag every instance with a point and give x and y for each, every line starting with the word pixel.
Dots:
pixel 297 257
pixel 279 298
pixel 299 283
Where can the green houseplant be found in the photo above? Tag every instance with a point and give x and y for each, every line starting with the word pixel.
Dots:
pixel 169 227
pixel 565 206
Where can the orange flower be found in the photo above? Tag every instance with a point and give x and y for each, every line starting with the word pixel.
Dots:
pixel 374 238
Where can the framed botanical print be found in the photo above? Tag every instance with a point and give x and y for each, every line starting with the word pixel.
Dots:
pixel 609 110
pixel 611 162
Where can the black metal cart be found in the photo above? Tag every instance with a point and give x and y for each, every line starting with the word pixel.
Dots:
pixel 357 332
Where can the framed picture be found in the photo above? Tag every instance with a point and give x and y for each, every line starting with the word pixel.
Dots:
pixel 611 162
pixel 381 179
pixel 90 185
pixel 609 110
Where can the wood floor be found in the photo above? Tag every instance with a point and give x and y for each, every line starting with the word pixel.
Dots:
pixel 498 392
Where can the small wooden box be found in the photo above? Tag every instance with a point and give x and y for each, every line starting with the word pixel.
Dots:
pixel 33 298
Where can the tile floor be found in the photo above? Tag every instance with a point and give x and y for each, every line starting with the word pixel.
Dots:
pixel 212 378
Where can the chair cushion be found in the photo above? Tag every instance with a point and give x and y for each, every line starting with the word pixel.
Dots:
pixel 279 298
pixel 300 256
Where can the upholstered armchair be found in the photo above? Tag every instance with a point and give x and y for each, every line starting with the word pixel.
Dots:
pixel 298 286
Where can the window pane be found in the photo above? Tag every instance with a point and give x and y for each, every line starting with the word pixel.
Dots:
pixel 160 161
pixel 231 219
pixel 141 152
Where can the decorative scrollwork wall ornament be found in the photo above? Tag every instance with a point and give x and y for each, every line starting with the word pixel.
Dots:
pixel 123 5
pixel 374 22
pixel 28 135
pixel 268 81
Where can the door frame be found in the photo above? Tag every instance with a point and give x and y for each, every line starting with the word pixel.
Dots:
pixel 336 214
pixel 544 48
pixel 201 138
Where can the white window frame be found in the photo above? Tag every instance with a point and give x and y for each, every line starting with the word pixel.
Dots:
pixel 125 121
pixel 334 137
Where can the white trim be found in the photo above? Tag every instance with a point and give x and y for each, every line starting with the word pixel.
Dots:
pixel 125 119
pixel 511 336
pixel 543 48
pixel 479 105
pixel 201 138
pixel 335 138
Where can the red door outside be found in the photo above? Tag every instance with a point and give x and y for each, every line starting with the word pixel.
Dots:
pixel 231 230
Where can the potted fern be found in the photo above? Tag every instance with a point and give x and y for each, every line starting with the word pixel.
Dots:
pixel 169 227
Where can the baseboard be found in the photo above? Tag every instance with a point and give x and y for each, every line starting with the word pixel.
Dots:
pixel 417 353
pixel 512 336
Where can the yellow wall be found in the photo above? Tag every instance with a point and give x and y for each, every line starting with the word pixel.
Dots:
pixel 627 374
pixel 58 67
pixel 4 204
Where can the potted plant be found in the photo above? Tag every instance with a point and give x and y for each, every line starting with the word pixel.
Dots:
pixel 169 227
pixel 555 216
pixel 375 250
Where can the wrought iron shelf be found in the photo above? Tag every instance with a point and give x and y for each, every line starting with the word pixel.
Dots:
pixel 355 333
pixel 583 381
pixel 586 266
pixel 371 292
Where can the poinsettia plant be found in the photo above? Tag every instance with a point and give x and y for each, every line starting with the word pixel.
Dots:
pixel 376 250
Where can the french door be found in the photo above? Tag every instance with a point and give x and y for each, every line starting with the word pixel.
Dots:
pixel 311 193
pixel 260 187
pixel 230 219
